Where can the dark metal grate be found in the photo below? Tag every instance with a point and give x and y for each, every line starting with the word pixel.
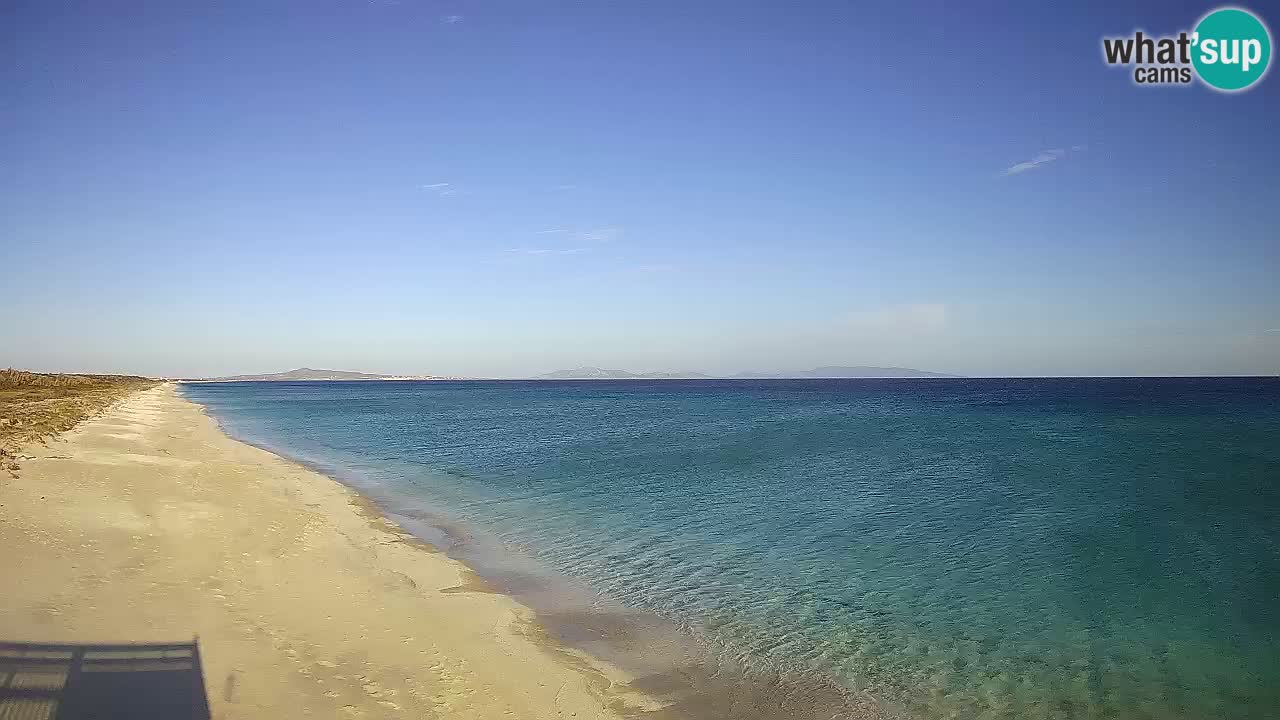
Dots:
pixel 41 681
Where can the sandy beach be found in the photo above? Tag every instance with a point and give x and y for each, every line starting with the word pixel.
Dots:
pixel 148 524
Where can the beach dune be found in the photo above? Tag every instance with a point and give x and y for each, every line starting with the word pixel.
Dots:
pixel 148 524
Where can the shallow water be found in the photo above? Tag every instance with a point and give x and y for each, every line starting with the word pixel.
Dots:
pixel 1051 548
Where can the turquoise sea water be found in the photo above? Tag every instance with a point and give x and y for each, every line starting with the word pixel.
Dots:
pixel 1050 548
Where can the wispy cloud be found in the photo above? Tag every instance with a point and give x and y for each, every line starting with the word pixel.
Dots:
pixel 1043 158
pixel 599 235
pixel 547 251
pixel 451 19
pixel 595 237
pixel 604 234
pixel 441 188
pixel 1272 330
pixel 653 267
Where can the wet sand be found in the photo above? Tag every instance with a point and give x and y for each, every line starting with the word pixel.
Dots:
pixel 149 524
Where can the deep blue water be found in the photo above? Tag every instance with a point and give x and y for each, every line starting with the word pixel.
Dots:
pixel 1049 548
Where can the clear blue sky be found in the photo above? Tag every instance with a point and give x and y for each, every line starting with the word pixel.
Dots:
pixel 512 187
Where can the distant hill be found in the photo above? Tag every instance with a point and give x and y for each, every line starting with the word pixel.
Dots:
pixel 595 373
pixel 830 371
pixel 852 371
pixel 301 374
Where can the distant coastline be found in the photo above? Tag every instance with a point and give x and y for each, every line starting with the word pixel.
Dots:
pixel 592 373
pixel 312 375
pixel 595 373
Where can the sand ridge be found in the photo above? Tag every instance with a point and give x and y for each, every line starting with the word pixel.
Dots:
pixel 148 524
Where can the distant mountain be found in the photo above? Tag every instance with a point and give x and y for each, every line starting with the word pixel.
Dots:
pixel 830 371
pixel 595 373
pixel 584 373
pixel 672 376
pixel 851 371
pixel 313 374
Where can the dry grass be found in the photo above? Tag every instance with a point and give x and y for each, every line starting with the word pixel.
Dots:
pixel 35 406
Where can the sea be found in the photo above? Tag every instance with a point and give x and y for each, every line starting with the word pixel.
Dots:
pixel 908 548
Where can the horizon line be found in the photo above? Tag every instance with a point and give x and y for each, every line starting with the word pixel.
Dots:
pixel 716 378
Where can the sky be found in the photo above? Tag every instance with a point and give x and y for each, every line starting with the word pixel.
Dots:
pixel 504 188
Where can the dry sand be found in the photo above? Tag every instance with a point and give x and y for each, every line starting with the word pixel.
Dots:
pixel 148 524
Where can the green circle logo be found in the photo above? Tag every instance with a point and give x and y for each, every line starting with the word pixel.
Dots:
pixel 1232 49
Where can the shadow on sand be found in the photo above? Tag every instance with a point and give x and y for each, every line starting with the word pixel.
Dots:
pixel 103 682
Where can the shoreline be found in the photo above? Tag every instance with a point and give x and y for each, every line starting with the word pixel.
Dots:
pixel 672 675
pixel 150 523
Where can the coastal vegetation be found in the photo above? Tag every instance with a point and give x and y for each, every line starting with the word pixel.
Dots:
pixel 36 406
